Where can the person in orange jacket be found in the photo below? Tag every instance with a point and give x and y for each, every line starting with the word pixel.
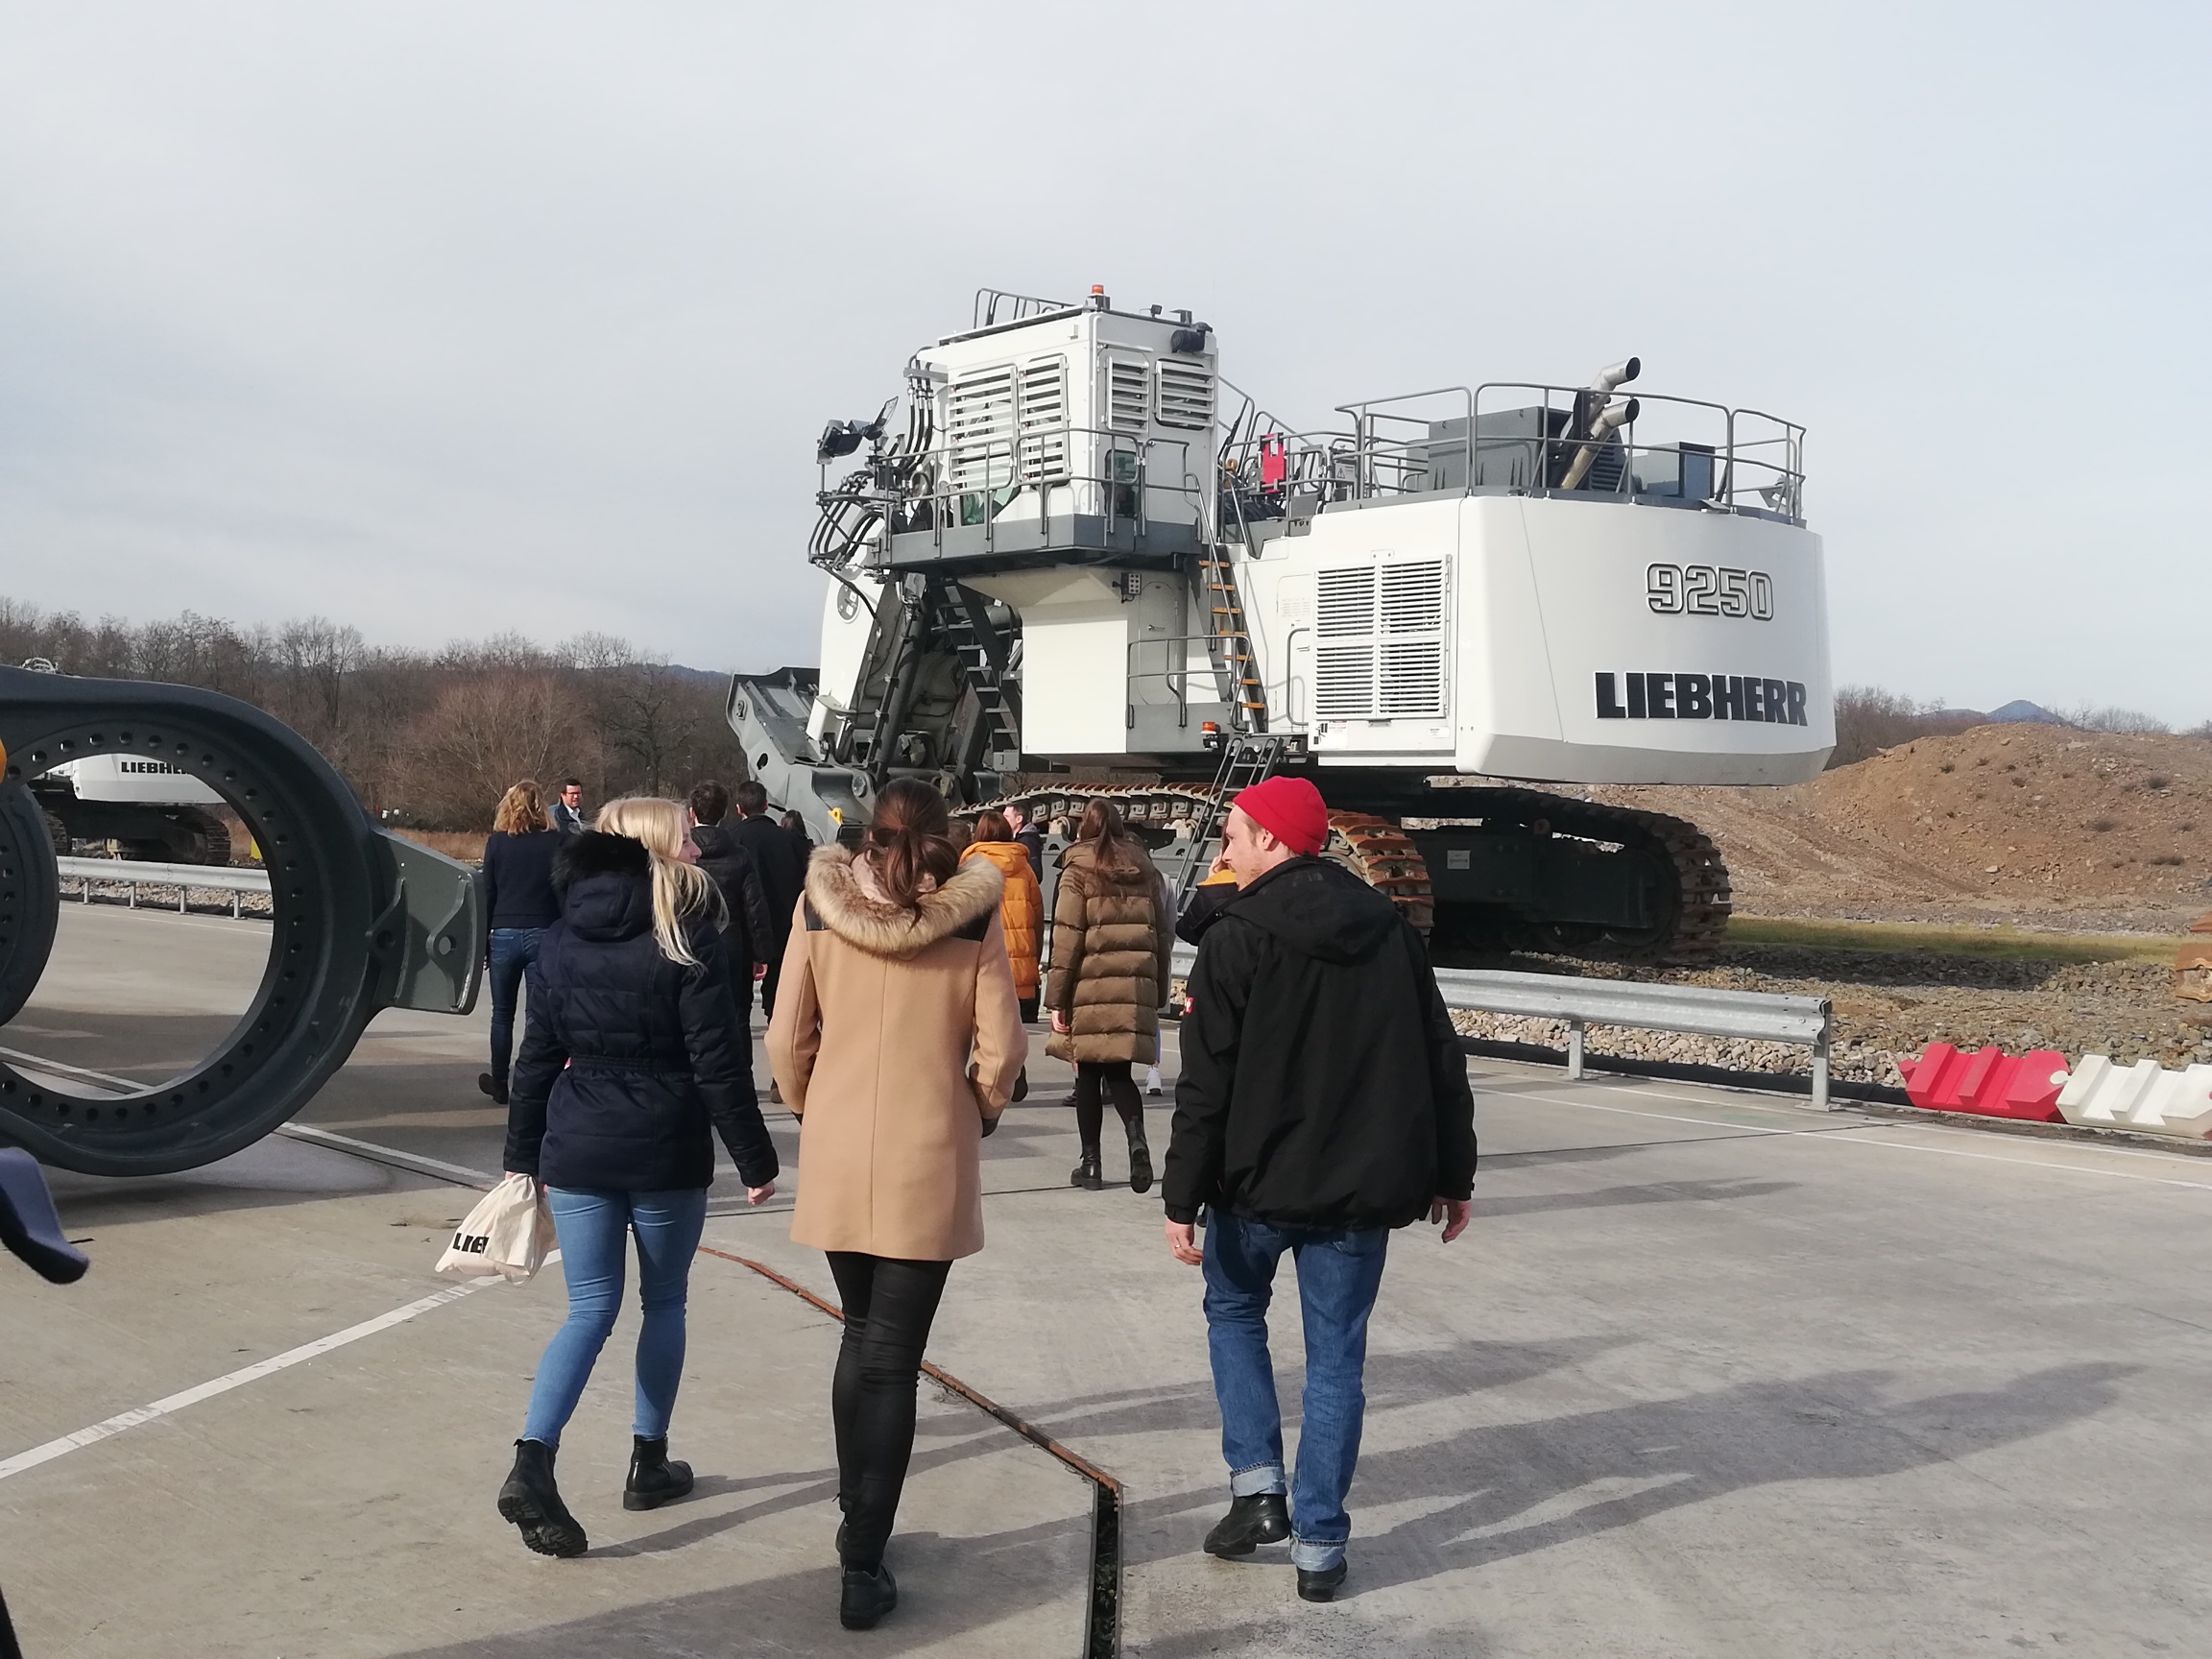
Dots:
pixel 1021 912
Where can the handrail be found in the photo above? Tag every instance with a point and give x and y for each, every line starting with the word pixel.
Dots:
pixel 1757 1016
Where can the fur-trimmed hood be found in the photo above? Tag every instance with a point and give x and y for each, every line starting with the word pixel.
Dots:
pixel 881 928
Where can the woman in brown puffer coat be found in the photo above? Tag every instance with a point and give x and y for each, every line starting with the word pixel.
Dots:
pixel 895 1042
pixel 1110 957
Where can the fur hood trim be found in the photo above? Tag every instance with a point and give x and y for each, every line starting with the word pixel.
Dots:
pixel 883 929
pixel 593 854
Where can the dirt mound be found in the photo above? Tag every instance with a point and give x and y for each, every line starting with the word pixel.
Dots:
pixel 2041 823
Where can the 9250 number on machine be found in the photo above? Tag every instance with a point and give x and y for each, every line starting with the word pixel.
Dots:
pixel 1709 591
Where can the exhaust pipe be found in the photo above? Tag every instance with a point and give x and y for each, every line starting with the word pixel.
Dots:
pixel 1608 422
pixel 1617 375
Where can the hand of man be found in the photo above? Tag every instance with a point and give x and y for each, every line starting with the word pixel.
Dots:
pixel 1453 1212
pixel 1060 1022
pixel 759 1194
pixel 1182 1245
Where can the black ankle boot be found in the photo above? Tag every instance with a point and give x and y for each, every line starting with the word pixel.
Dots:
pixel 1139 1154
pixel 490 1085
pixel 654 1480
pixel 533 1504
pixel 865 1596
pixel 1263 1518
pixel 1087 1174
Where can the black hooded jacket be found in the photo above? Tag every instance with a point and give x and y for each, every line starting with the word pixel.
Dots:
pixel 629 1057
pixel 1323 1084
pixel 751 932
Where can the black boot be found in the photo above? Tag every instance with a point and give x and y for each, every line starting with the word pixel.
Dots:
pixel 1263 1518
pixel 1021 1084
pixel 1139 1153
pixel 493 1085
pixel 1320 1586
pixel 1087 1174
pixel 865 1597
pixel 533 1504
pixel 654 1480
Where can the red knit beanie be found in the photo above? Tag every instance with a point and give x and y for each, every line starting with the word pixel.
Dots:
pixel 1288 809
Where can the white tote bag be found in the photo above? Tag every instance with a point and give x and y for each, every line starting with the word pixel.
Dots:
pixel 509 1232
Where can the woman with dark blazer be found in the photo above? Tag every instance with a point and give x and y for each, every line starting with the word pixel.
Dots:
pixel 634 1053
pixel 519 904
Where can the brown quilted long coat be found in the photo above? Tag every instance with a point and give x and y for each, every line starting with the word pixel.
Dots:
pixel 1110 960
pixel 896 1038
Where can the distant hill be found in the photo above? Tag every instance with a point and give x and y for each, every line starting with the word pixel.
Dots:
pixel 2021 712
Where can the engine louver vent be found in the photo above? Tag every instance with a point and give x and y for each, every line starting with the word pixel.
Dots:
pixel 1128 383
pixel 1186 394
pixel 981 422
pixel 1044 420
pixel 1381 641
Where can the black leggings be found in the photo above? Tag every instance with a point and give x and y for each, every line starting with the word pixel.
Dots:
pixel 1090 1113
pixel 888 1309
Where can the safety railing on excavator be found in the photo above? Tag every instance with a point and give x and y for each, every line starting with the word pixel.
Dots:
pixel 1177 680
pixel 1522 438
pixel 990 479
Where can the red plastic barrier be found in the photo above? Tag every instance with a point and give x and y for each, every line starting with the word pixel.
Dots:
pixel 1989 1081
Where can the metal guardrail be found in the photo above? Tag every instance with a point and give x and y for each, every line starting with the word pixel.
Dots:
pixel 1757 1016
pixel 234 880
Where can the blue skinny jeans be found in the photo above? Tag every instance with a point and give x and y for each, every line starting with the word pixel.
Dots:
pixel 510 952
pixel 1339 1273
pixel 595 1228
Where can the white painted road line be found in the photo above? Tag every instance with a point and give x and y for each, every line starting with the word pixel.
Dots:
pixel 1851 1135
pixel 392 1155
pixel 174 1403
pixel 56 1068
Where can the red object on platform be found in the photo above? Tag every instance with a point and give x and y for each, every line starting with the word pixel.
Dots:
pixel 1274 462
pixel 1989 1081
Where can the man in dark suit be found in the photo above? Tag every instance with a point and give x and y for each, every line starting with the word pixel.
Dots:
pixel 775 856
pixel 749 925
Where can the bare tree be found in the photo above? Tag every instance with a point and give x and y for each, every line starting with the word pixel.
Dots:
pixel 486 732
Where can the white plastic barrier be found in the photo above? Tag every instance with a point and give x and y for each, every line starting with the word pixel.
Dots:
pixel 2098 1095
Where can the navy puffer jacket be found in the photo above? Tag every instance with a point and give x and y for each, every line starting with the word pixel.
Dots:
pixel 629 1057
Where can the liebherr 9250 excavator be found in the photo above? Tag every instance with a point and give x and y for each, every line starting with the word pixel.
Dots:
pixel 1086 550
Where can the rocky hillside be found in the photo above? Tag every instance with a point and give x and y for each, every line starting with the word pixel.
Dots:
pixel 2045 825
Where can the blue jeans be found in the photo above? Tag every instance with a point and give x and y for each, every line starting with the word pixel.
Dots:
pixel 512 951
pixel 594 1227
pixel 1340 1271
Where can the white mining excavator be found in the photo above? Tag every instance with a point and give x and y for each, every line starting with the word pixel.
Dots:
pixel 1087 564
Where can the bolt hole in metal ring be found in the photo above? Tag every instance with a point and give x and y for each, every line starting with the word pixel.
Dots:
pixel 365 921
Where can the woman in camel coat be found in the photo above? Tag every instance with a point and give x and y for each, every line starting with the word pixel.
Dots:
pixel 895 1042
pixel 1110 963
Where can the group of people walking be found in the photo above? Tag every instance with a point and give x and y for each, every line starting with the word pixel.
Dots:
pixel 1322 1103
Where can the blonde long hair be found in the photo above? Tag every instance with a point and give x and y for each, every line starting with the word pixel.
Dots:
pixel 521 810
pixel 680 890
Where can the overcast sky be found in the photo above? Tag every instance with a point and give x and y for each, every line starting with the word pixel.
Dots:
pixel 448 319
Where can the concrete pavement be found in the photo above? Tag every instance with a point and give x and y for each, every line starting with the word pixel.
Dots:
pixel 1710 1375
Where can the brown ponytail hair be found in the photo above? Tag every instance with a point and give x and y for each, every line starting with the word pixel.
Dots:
pixel 1116 854
pixel 907 841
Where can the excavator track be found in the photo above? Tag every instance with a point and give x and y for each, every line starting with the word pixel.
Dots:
pixel 1378 850
pixel 1692 934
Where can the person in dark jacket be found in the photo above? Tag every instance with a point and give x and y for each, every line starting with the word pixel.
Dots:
pixel 632 1057
pixel 568 810
pixel 782 874
pixel 751 926
pixel 795 827
pixel 1031 838
pixel 1323 1103
pixel 519 903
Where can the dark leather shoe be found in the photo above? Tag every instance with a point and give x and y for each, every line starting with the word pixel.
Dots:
pixel 1021 1084
pixel 1320 1586
pixel 865 1597
pixel 532 1502
pixel 1087 1174
pixel 654 1478
pixel 1263 1518
pixel 487 1084
pixel 1140 1159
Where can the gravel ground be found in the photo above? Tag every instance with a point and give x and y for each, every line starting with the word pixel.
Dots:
pixel 1891 1006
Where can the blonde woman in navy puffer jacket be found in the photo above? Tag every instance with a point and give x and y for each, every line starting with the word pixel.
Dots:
pixel 634 1053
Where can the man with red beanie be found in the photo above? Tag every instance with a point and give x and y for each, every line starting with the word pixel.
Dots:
pixel 1323 1103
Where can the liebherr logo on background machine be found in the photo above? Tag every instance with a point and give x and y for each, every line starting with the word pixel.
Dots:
pixel 1701 697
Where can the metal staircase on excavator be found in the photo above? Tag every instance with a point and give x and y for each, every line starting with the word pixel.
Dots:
pixel 956 617
pixel 1228 641
pixel 1244 762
